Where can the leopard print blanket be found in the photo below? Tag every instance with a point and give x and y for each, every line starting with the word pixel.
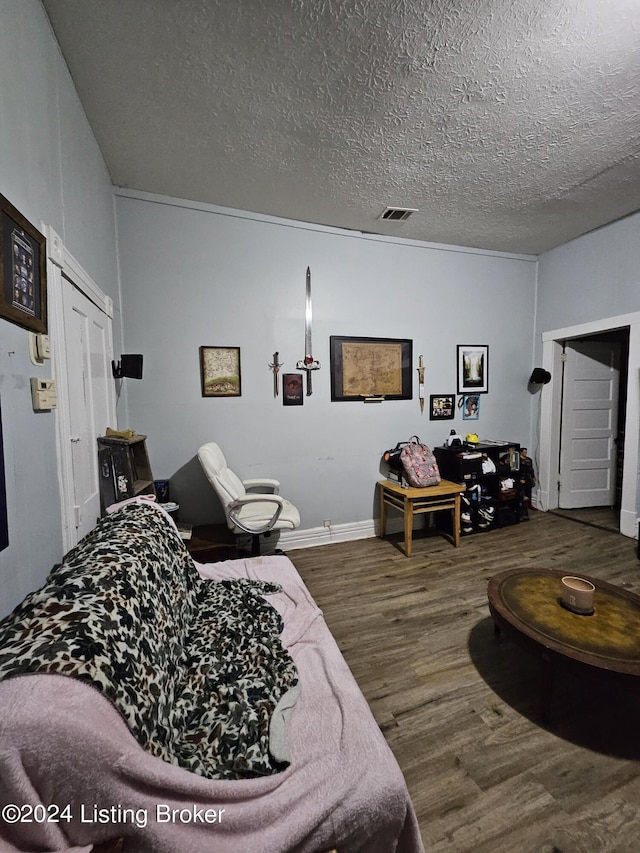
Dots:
pixel 195 667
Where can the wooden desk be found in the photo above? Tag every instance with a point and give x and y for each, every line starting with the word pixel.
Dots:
pixel 412 501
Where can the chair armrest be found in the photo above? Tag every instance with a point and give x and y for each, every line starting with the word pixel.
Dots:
pixel 262 483
pixel 276 500
pixel 261 498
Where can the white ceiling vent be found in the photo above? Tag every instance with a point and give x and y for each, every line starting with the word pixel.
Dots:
pixel 397 214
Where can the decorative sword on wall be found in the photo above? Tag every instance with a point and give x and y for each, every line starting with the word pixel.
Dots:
pixel 308 363
pixel 421 383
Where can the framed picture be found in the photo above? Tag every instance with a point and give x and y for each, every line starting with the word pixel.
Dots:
pixel 23 270
pixel 442 407
pixel 370 367
pixel 220 371
pixel 471 407
pixel 292 389
pixel 473 369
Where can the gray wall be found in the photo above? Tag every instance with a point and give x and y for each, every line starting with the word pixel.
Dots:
pixel 52 171
pixel 592 282
pixel 591 278
pixel 194 276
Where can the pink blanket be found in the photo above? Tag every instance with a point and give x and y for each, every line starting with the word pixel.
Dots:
pixel 71 773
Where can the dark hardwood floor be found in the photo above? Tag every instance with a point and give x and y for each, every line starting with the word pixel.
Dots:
pixel 459 708
pixel 605 517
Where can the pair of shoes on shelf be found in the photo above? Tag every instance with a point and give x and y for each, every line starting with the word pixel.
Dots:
pixel 484 512
pixel 486 517
pixel 466 526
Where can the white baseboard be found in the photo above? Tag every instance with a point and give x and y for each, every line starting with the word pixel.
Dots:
pixel 310 538
pixel 629 524
pixel 314 536
pixel 540 500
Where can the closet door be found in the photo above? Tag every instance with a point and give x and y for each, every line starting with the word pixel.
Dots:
pixel 80 328
pixel 88 365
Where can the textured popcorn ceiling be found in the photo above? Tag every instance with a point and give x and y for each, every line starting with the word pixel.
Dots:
pixel 509 124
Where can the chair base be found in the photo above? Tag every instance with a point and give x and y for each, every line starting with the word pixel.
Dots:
pixel 256 550
pixel 255 545
pixel 211 543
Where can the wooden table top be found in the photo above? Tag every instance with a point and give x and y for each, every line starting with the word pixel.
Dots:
pixel 528 601
pixel 445 487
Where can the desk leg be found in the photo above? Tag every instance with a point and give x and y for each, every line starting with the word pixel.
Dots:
pixel 456 521
pixel 408 525
pixel 383 514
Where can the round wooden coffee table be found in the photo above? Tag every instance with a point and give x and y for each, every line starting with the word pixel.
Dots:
pixel 526 604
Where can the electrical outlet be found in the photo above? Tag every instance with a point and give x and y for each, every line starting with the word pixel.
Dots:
pixel 327 522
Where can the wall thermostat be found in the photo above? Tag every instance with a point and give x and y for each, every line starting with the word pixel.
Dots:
pixel 44 394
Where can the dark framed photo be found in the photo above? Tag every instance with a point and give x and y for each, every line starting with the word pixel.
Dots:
pixel 23 270
pixel 220 371
pixel 363 368
pixel 442 407
pixel 473 369
pixel 292 389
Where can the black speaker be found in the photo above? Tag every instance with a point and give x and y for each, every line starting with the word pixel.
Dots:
pixel 539 376
pixel 129 367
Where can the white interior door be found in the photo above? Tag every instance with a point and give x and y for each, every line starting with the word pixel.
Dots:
pixel 589 424
pixel 88 366
pixel 81 332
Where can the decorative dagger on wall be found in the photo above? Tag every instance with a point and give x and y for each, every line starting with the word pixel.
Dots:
pixel 308 363
pixel 275 366
pixel 421 383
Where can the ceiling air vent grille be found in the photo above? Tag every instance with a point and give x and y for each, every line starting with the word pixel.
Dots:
pixel 397 214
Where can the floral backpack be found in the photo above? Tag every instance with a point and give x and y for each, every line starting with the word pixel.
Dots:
pixel 419 463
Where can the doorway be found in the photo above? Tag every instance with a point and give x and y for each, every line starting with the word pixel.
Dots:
pixel 622 331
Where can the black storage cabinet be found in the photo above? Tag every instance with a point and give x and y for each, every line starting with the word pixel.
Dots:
pixel 487 500
pixel 123 469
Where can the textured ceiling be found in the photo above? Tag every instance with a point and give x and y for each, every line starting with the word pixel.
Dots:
pixel 509 124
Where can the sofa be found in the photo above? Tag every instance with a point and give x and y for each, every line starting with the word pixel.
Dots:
pixel 154 704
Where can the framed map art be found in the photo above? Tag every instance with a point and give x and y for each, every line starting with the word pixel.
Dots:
pixel 220 371
pixel 364 368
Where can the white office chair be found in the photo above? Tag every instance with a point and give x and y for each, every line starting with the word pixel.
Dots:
pixel 257 512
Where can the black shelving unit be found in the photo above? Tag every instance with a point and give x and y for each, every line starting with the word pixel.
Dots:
pixel 490 471
pixel 124 470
